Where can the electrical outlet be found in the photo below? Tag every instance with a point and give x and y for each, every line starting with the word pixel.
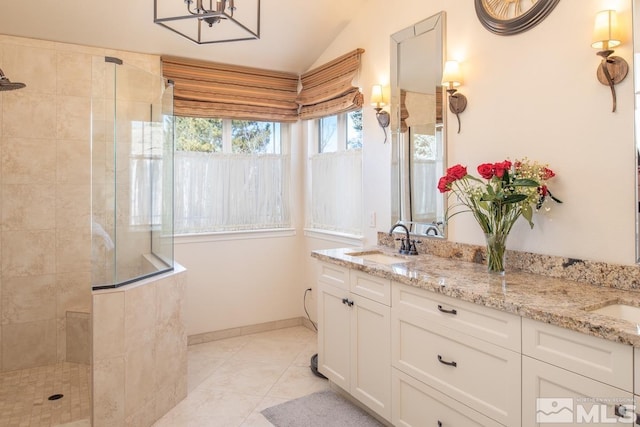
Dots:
pixel 372 219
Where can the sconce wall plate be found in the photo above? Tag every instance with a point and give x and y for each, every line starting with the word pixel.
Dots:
pixel 383 118
pixel 617 68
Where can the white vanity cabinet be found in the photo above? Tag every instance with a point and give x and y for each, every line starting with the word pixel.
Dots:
pixel 572 377
pixel 465 352
pixel 354 334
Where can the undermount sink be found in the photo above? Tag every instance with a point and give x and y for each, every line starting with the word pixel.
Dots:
pixel 626 312
pixel 377 256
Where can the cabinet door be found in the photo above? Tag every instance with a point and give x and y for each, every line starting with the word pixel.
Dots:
pixel 333 334
pixel 553 396
pixel 371 354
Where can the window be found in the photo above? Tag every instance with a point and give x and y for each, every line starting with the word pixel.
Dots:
pixel 336 174
pixel 346 128
pixel 230 175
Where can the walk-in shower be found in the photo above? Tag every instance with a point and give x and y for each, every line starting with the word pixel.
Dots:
pixel 131 174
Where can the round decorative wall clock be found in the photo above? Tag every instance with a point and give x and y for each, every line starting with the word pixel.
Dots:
pixel 508 17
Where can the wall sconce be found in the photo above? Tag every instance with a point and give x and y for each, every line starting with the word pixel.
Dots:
pixel 377 100
pixel 451 79
pixel 612 69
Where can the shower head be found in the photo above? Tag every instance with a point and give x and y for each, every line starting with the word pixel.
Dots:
pixel 6 84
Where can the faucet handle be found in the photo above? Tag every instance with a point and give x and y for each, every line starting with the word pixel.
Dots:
pixel 412 250
pixel 403 245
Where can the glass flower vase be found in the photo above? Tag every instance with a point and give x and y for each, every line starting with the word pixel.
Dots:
pixel 496 249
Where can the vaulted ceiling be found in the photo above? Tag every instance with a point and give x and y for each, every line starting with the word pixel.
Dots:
pixel 294 33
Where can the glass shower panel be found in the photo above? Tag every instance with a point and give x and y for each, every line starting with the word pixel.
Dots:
pixel 132 174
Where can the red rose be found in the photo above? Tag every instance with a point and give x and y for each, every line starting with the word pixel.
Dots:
pixel 501 167
pixel 457 172
pixel 547 173
pixel 486 170
pixel 444 184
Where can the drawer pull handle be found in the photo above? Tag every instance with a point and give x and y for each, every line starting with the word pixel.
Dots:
pixel 443 310
pixel 439 423
pixel 347 301
pixel 444 362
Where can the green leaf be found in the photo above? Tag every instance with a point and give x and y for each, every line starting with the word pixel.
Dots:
pixel 515 198
pixel 525 182
pixel 527 213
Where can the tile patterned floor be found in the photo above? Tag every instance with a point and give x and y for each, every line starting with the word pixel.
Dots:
pixel 24 393
pixel 232 380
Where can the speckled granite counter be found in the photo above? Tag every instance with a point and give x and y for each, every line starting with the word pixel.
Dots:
pixel 558 301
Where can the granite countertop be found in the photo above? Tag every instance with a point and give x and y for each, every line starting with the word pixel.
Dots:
pixel 556 301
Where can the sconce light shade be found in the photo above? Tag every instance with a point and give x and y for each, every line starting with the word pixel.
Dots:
pixel 451 77
pixel 612 69
pixel 605 31
pixel 377 99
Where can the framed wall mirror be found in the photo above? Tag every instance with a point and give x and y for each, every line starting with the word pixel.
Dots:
pixel 418 134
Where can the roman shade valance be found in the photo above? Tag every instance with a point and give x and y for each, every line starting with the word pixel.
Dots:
pixel 213 90
pixel 329 90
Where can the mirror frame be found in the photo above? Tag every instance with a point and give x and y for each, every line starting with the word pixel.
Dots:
pixel 400 171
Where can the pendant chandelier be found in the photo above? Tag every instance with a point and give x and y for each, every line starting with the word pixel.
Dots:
pixel 210 21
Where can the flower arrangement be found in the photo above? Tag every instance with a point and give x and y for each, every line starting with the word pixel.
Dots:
pixel 509 190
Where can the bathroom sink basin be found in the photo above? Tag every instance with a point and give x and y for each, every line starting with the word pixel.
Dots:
pixel 626 312
pixel 377 256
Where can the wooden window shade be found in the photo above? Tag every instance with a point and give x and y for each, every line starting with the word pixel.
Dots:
pixel 329 90
pixel 212 90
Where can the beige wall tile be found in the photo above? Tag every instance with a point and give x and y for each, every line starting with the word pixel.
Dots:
pixel 28 115
pixel 140 377
pixel 28 160
pixel 73 161
pixel 27 299
pixel 73 205
pixel 28 207
pixel 26 345
pixel 28 253
pixel 108 392
pixel 140 316
pixel 73 118
pixel 73 249
pixel 74 73
pixel 108 325
pixel 78 340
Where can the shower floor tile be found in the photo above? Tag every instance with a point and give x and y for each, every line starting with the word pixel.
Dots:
pixel 24 395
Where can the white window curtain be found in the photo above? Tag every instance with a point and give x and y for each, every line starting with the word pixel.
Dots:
pixel 336 193
pixel 146 190
pixel 426 205
pixel 230 192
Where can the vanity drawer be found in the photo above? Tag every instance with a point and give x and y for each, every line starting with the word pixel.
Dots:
pixel 416 405
pixel 597 358
pixel 374 288
pixel 333 275
pixel 485 323
pixel 479 374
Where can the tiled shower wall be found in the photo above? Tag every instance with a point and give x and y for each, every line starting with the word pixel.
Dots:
pixel 45 197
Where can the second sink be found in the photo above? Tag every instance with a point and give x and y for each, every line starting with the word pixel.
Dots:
pixel 626 312
pixel 377 256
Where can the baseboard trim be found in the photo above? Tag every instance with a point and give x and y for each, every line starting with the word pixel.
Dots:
pixel 249 329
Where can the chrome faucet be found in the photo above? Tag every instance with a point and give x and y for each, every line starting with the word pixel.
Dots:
pixel 407 246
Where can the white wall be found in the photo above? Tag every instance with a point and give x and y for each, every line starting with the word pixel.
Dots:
pixel 534 94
